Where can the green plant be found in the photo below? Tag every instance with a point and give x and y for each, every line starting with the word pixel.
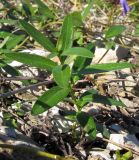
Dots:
pixel 67 74
pixel 73 51
pixel 126 156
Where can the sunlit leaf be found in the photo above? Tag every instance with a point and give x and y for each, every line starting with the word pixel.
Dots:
pixel 82 62
pixel 114 31
pixel 32 60
pixel 8 21
pixel 106 67
pixel 77 19
pixel 86 11
pixel 49 99
pixel 78 51
pixel 66 36
pixel 12 39
pixel 38 36
pixel 44 9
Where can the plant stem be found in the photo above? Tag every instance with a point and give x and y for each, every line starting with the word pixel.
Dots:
pixel 36 152
pixel 32 150
pixel 20 45
pixel 74 99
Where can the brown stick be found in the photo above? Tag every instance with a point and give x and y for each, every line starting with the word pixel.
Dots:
pixel 23 89
pixel 126 147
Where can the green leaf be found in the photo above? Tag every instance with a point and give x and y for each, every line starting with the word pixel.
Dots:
pixel 4 34
pixel 8 21
pixel 62 75
pixel 82 62
pixel 13 41
pixel 77 19
pixel 66 36
pixel 11 71
pixel 32 60
pixel 86 11
pixel 88 124
pixel 106 100
pixel 127 156
pixel 118 155
pixel 86 98
pixel 44 9
pixel 49 99
pixel 38 36
pixel 26 7
pixel 110 45
pixel 103 129
pixel 78 51
pixel 92 96
pixel 114 31
pixel 3 43
pixel 106 67
pixel 2 63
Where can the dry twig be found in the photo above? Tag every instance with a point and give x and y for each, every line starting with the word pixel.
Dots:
pixel 23 89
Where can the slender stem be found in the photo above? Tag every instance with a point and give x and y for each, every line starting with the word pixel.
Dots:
pixel 74 99
pixel 103 56
pixel 32 150
pixel 52 23
pixel 21 44
pixel 37 152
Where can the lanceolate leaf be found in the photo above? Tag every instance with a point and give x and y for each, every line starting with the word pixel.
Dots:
pixel 49 99
pixel 106 67
pixel 92 96
pixel 114 31
pixel 38 36
pixel 13 41
pixel 14 72
pixel 66 36
pixel 88 124
pixel 62 75
pixel 78 51
pixel 86 11
pixel 44 9
pixel 136 32
pixel 32 60
pixel 77 19
pixel 11 70
pixel 9 21
pixel 82 62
